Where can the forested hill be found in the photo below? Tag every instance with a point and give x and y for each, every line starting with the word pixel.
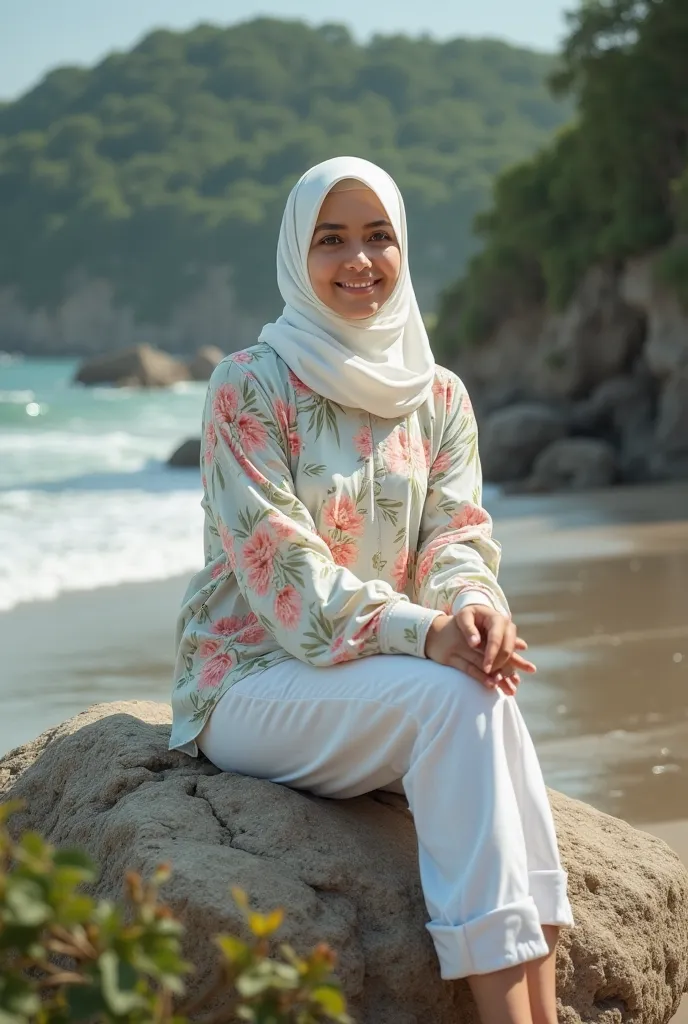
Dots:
pixel 161 163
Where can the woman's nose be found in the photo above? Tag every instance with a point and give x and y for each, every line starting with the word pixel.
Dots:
pixel 358 261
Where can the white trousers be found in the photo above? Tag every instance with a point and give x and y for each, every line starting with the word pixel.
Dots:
pixel 488 857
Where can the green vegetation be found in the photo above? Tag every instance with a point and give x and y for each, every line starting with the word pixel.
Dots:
pixel 65 957
pixel 177 156
pixel 611 186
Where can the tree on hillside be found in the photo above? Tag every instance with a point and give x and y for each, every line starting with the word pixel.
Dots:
pixel 159 163
pixel 613 185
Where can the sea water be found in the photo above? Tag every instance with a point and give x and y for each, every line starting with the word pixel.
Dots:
pixel 86 499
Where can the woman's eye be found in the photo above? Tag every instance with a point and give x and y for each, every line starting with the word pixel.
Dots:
pixel 380 236
pixel 330 240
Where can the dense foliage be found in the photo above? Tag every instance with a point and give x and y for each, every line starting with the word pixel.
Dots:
pixel 612 185
pixel 176 156
pixel 65 957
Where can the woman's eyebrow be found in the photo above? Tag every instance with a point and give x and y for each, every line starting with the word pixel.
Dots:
pixel 342 227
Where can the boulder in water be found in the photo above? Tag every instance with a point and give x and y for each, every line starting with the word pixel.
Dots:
pixel 187 456
pixel 142 366
pixel 205 361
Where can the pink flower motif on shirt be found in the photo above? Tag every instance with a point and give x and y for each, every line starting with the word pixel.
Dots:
pixel 469 515
pixel 369 630
pixel 281 525
pixel 423 568
pixel 466 404
pixel 227 541
pixel 340 513
pixel 299 387
pixel 344 552
pixel 226 403
pixel 218 570
pixel 257 557
pixel 252 433
pixel 207 648
pixel 339 652
pixel 403 455
pixel 285 414
pixel 210 442
pixel 442 463
pixel 242 357
pixel 288 607
pixel 228 625
pixel 215 670
pixel 363 442
pixel 252 632
pixel 400 570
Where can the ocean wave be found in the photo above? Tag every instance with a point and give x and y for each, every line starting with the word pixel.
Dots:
pixel 81 540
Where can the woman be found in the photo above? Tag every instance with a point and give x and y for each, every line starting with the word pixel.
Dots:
pixel 348 632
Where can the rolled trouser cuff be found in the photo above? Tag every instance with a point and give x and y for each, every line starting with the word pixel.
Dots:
pixel 503 938
pixel 549 890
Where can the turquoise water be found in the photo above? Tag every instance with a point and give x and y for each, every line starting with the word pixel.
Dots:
pixel 85 497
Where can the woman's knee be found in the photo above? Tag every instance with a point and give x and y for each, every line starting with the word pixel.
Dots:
pixel 449 691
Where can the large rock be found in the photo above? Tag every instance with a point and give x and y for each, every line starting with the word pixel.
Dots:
pixel 187 456
pixel 536 355
pixel 574 464
pixel 205 361
pixel 512 438
pixel 141 366
pixel 671 436
pixel 621 411
pixel 596 337
pixel 666 348
pixel 346 871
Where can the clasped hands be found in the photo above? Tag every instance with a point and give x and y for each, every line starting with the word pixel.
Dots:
pixel 481 642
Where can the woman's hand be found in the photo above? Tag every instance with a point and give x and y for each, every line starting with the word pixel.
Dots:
pixel 487 629
pixel 448 644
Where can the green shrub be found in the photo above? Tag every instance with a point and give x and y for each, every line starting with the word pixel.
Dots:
pixel 66 957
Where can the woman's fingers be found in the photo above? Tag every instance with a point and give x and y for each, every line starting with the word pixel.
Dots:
pixel 516 661
pixel 464 665
pixel 495 637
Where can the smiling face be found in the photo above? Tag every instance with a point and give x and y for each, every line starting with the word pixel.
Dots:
pixel 354 259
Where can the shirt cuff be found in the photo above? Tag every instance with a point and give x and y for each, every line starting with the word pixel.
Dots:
pixel 404 627
pixel 466 597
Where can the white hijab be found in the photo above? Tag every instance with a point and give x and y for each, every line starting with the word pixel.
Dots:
pixel 382 364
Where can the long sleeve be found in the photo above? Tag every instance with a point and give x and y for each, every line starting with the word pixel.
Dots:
pixel 318 611
pixel 458 558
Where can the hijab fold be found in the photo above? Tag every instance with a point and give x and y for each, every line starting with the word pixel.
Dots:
pixel 382 364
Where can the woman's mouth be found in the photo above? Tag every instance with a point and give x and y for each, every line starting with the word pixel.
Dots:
pixel 359 287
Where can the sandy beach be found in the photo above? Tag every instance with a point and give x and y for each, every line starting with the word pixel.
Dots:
pixel 597 585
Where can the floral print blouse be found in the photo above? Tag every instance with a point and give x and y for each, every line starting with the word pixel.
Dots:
pixel 330 534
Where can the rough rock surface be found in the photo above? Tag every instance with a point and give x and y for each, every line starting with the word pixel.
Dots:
pixel 512 438
pixel 205 361
pixel 666 348
pixel 187 456
pixel 596 337
pixel 345 871
pixel 671 437
pixel 141 366
pixel 573 464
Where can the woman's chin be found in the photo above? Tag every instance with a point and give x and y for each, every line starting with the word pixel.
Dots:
pixel 356 307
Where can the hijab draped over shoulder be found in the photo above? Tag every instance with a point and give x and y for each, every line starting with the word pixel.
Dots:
pixel 382 364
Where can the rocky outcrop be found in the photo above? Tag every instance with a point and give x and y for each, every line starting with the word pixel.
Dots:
pixel 666 345
pixel 205 361
pixel 346 871
pixel 187 456
pixel 613 363
pixel 573 464
pixel 512 438
pixel 143 366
